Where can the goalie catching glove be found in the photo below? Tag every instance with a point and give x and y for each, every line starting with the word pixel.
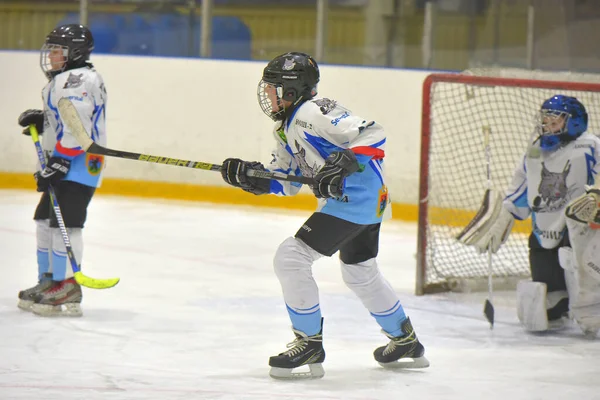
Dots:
pixel 491 225
pixel 235 172
pixel 586 208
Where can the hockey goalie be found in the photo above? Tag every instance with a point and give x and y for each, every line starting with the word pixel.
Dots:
pixel 550 185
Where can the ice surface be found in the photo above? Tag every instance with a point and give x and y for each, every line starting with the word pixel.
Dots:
pixel 199 311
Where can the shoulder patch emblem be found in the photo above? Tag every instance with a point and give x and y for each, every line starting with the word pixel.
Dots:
pixel 73 81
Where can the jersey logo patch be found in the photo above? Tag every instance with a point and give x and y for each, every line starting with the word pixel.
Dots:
pixel 94 163
pixel 300 158
pixel 384 199
pixel 553 190
pixel 73 81
pixel 326 105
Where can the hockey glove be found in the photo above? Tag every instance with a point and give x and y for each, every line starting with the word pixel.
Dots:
pixel 55 170
pixel 29 117
pixel 330 178
pixel 586 208
pixel 234 171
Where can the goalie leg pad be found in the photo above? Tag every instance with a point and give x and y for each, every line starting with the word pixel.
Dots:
pixel 531 305
pixel 583 286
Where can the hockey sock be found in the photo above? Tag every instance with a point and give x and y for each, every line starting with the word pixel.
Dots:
pixel 306 320
pixel 391 320
pixel 44 240
pixel 61 266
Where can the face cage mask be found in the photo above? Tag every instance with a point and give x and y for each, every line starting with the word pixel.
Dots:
pixel 266 102
pixel 45 62
pixel 551 140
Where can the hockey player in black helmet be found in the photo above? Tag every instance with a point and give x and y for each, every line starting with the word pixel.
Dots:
pixel 74 175
pixel 67 47
pixel 343 152
pixel 288 81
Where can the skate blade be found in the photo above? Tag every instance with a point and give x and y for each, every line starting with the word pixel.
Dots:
pixel 316 371
pixel 64 310
pixel 405 363
pixel 25 305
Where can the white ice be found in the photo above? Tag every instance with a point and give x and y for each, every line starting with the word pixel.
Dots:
pixel 199 311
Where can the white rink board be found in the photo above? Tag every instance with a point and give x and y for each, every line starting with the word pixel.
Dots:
pixel 206 110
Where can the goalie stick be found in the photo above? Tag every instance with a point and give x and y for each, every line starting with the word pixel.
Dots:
pixel 80 278
pixel 488 307
pixel 69 113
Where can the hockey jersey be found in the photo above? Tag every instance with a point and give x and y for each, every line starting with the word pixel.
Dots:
pixel 545 182
pixel 85 88
pixel 316 129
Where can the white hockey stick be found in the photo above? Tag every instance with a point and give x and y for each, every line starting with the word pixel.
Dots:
pixel 70 115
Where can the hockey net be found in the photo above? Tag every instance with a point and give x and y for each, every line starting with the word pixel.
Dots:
pixel 458 110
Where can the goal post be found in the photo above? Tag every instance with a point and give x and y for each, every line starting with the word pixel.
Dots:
pixel 458 112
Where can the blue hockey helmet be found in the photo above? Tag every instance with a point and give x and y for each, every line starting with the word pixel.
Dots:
pixel 562 119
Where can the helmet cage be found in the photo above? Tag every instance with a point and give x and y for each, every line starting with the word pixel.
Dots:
pixel 269 93
pixel 548 117
pixel 48 67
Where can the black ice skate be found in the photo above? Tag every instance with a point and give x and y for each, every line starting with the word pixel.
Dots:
pixel 63 299
pixel 305 350
pixel 402 352
pixel 27 296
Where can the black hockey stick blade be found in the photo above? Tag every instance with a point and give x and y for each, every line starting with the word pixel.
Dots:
pixel 488 311
pixel 70 115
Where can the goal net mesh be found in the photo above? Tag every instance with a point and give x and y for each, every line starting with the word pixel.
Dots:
pixel 459 111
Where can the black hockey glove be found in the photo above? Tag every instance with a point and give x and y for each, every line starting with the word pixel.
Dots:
pixel 234 172
pixel 330 178
pixel 55 170
pixel 35 117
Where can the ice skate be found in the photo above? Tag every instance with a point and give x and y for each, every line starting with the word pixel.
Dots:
pixel 64 299
pixel 402 352
pixel 27 296
pixel 304 350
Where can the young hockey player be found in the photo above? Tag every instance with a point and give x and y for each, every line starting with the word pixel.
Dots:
pixel 555 169
pixel 73 174
pixel 319 138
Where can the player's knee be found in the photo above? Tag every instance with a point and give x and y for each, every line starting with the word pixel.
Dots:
pixel 355 275
pixel 292 256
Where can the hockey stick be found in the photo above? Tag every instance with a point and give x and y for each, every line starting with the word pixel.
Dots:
pixel 81 279
pixel 69 113
pixel 488 307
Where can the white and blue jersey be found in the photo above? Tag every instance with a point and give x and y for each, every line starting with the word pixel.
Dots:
pixel 85 88
pixel 316 129
pixel 545 182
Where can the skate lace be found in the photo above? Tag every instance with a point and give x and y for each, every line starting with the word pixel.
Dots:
pixel 296 346
pixel 399 341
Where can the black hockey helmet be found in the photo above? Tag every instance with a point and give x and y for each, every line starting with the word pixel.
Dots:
pixel 76 43
pixel 292 77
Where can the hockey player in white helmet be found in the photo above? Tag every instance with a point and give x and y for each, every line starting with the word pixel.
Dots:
pixel 343 152
pixel 73 174
pixel 554 171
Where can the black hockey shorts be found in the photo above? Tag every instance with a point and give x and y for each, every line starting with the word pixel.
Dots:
pixel 327 234
pixel 73 200
pixel 545 266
